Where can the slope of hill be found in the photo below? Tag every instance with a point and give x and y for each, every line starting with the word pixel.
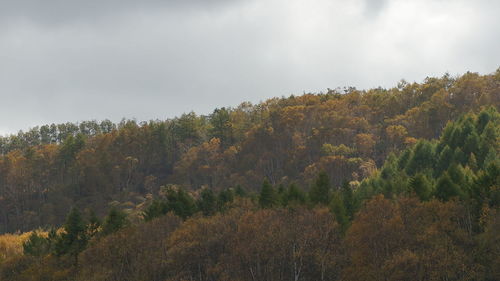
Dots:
pixel 430 213
pixel 345 133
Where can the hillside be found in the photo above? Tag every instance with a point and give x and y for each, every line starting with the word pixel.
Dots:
pixel 383 184
pixel 346 133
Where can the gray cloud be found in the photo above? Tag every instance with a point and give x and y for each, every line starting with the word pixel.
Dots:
pixel 156 59
pixel 374 7
pixel 64 11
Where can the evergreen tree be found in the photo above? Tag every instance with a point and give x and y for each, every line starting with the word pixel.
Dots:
pixel 207 203
pixel 74 238
pixel 225 196
pixel 115 220
pixel 459 156
pixel 240 191
pixel 473 162
pixel 348 199
pixel 36 245
pixel 338 209
pixel 446 188
pixel 482 120
pixel 320 191
pixel 444 160
pixel 471 144
pixel 181 203
pixel 421 186
pixel 268 197
pixel 294 196
pixel 457 175
pixel 404 158
pixel 423 158
pixel 156 209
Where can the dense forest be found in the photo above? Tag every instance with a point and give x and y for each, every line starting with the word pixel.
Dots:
pixel 380 184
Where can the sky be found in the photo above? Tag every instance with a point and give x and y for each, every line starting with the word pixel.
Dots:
pixel 75 60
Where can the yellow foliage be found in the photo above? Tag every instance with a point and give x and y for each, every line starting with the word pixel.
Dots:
pixel 11 245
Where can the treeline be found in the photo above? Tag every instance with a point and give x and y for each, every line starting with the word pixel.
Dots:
pixel 430 213
pixel 345 133
pixel 388 239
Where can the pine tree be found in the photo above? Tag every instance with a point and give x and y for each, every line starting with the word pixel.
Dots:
pixel 473 162
pixel 156 209
pixel 225 196
pixel 446 188
pixel 181 203
pixel 338 209
pixel 444 161
pixel 240 191
pixel 423 158
pixel 115 220
pixel 36 245
pixel 320 191
pixel 348 199
pixel 268 197
pixel 421 186
pixel 294 196
pixel 207 202
pixel 74 238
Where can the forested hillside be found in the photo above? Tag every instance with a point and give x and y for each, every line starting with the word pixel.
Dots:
pixel 346 133
pixel 431 213
pixel 383 184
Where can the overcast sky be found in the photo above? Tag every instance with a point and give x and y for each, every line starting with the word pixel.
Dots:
pixel 73 60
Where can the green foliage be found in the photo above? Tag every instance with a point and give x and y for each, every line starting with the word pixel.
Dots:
pixel 422 158
pixel 207 203
pixel 47 169
pixel 338 208
pixel 268 197
pixel 156 209
pixel 422 187
pixel 320 191
pixel 37 245
pixel 448 168
pixel 348 199
pixel 446 189
pixel 294 196
pixel 240 191
pixel 225 196
pixel 115 220
pixel 73 239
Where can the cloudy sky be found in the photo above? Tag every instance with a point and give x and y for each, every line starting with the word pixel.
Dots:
pixel 73 60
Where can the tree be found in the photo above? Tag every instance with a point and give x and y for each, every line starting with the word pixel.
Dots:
pixel 240 191
pixel 94 224
pixel 73 239
pixel 180 202
pixel 156 209
pixel 423 157
pixel 446 188
pixel 36 245
pixel 294 196
pixel 221 126
pixel 115 220
pixel 207 203
pixel 348 199
pixel 421 186
pixel 365 143
pixel 320 191
pixel 268 197
pixel 339 210
pixel 225 196
pixel 444 160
